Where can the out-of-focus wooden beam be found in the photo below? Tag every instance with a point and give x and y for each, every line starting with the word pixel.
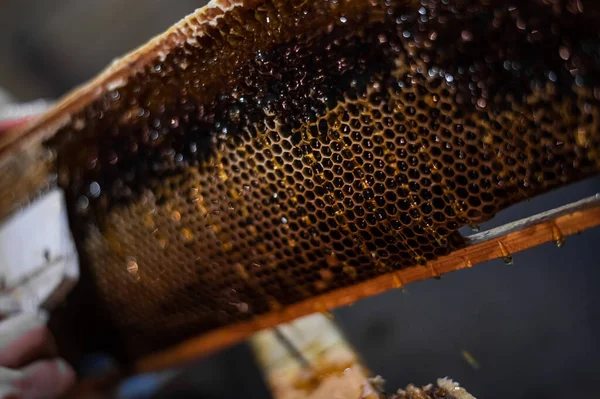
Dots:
pixel 309 358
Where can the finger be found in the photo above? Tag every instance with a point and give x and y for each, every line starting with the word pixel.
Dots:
pixel 14 326
pixel 5 125
pixel 45 379
pixel 8 377
pixel 24 338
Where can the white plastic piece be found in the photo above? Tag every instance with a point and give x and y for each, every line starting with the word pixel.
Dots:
pixel 18 111
pixel 37 254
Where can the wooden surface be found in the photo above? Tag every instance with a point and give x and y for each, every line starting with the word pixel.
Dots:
pixel 553 227
pixel 321 365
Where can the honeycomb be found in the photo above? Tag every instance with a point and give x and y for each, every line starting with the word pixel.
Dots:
pixel 445 389
pixel 299 147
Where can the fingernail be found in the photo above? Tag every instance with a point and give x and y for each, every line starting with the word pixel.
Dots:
pixel 63 366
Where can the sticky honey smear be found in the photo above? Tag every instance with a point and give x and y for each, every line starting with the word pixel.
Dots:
pixel 289 148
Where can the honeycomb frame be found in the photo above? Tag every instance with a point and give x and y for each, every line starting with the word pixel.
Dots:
pixel 345 140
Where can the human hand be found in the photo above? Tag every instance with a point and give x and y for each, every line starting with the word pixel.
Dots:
pixel 29 368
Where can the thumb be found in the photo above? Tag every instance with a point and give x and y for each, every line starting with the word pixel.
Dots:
pixel 45 379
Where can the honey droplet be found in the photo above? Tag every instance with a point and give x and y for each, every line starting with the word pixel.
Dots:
pixel 506 256
pixel 187 236
pixel 434 273
pixel 557 236
pixel 132 269
pixel 227 246
pixel 132 266
pixel 320 285
pixel 326 274
pixel 350 271
pixel 175 216
pixel 274 305
pixel 332 260
pixel 421 260
pixel 202 209
pixel 161 241
pixel 582 137
pixel 241 271
pixel 149 221
pixel 397 281
pixel 442 241
pixel 114 242
pixel 223 175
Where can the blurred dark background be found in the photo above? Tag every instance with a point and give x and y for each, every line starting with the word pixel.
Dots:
pixel 533 327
